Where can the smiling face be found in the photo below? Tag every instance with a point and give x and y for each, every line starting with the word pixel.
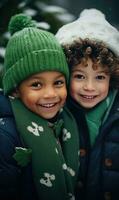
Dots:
pixel 44 93
pixel 88 86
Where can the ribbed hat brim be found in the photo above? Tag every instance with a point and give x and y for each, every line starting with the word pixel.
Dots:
pixel 34 62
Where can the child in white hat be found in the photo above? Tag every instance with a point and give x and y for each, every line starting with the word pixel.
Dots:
pixel 91 45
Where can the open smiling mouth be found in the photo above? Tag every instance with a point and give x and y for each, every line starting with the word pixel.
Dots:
pixel 48 105
pixel 88 97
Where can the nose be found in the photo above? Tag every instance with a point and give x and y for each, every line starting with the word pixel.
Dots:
pixel 89 85
pixel 49 92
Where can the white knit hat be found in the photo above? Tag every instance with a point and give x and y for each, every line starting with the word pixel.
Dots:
pixel 93 25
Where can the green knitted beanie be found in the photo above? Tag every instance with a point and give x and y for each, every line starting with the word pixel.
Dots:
pixel 30 51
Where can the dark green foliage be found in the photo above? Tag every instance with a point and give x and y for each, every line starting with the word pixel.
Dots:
pixel 48 16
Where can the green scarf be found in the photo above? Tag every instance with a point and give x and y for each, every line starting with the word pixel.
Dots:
pixel 54 161
pixel 96 116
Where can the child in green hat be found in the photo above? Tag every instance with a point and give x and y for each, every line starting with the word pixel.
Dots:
pixel 91 45
pixel 45 135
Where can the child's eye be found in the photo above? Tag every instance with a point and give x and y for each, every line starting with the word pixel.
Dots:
pixel 100 77
pixel 36 85
pixel 78 76
pixel 59 83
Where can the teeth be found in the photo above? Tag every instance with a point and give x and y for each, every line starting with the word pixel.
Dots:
pixel 89 97
pixel 48 105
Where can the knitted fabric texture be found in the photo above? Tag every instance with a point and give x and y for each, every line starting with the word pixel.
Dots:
pixel 54 149
pixel 95 120
pixel 93 25
pixel 30 51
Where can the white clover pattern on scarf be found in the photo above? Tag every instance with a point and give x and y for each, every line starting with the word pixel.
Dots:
pixel 71 171
pixel 41 139
pixel 35 129
pixel 66 134
pixel 56 150
pixel 47 179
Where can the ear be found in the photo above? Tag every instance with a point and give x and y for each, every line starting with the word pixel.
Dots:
pixel 15 93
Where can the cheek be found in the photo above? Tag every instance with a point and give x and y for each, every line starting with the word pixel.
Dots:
pixel 105 88
pixel 64 94
pixel 28 99
pixel 105 92
pixel 74 87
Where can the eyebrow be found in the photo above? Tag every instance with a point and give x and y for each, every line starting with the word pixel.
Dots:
pixel 103 71
pixel 79 70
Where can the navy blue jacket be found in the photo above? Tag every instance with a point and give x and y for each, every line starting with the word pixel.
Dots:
pixel 99 164
pixel 15 182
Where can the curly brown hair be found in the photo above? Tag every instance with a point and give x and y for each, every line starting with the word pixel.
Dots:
pixel 80 50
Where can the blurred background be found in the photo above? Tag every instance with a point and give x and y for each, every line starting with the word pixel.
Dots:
pixel 51 15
